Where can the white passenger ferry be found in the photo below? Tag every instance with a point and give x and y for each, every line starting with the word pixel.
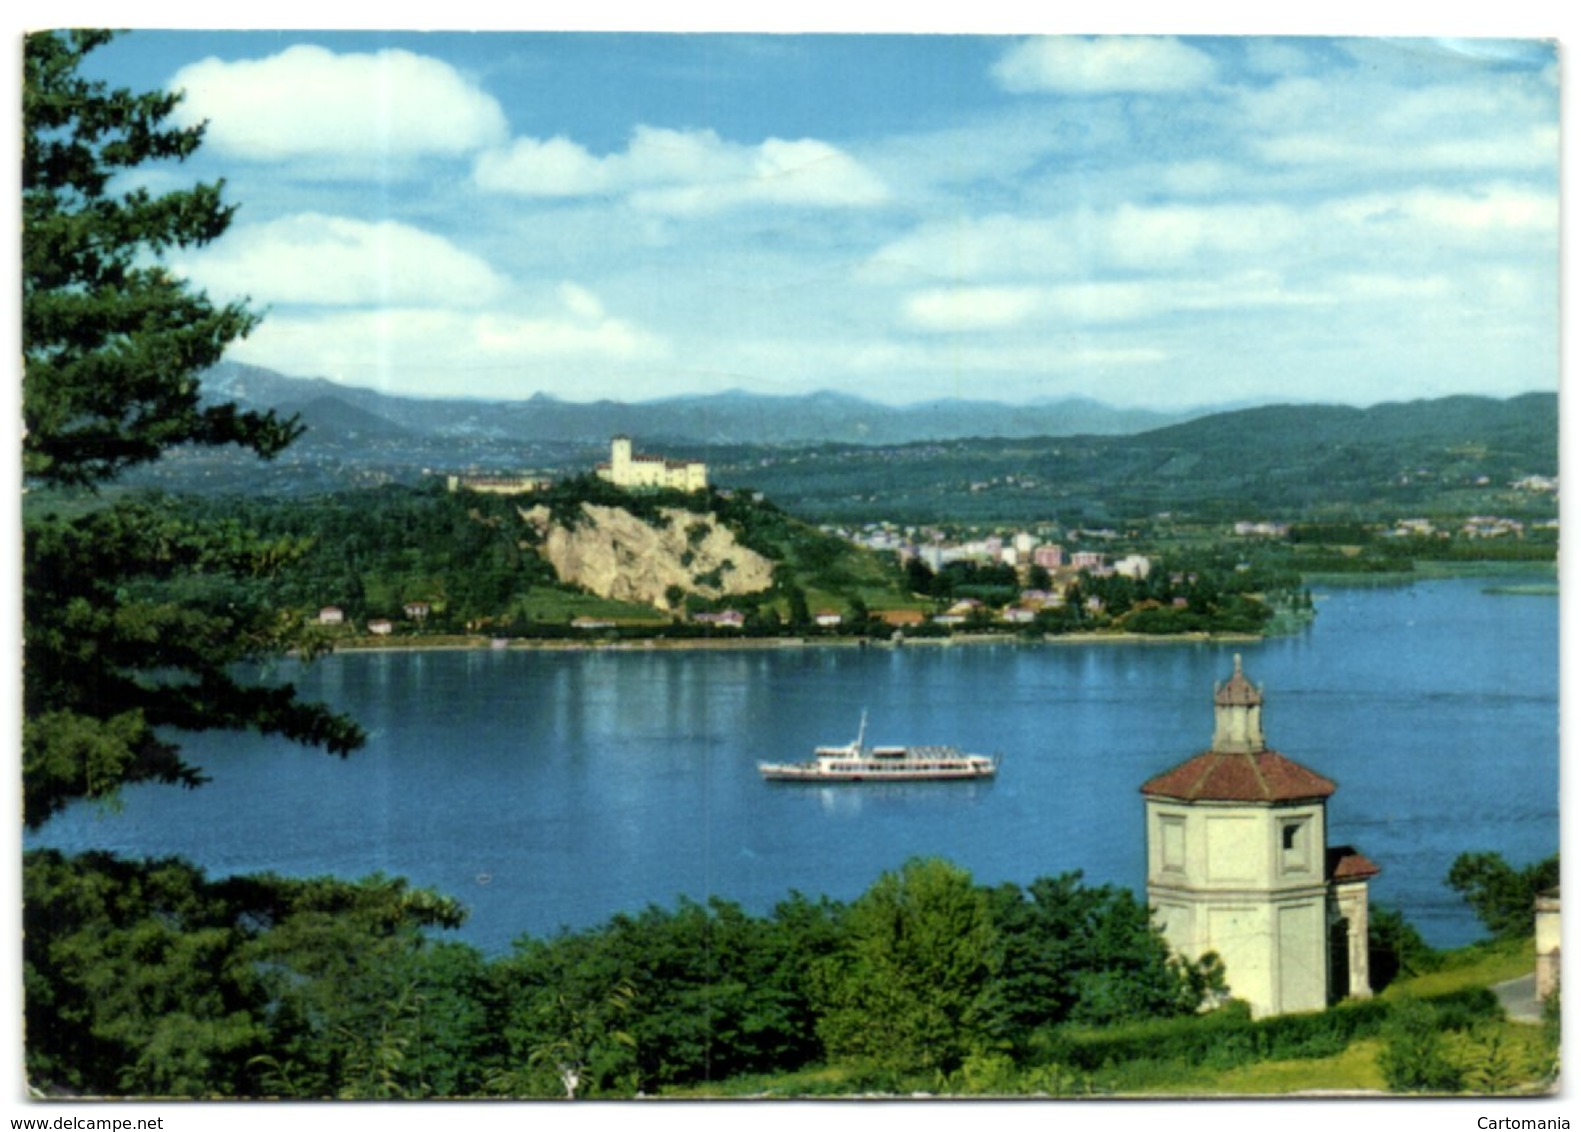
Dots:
pixel 857 762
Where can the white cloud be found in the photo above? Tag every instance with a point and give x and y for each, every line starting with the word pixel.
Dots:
pixel 1380 122
pixel 1534 147
pixel 449 352
pixel 1057 354
pixel 1084 241
pixel 1105 65
pixel 1139 236
pixel 1364 287
pixel 553 168
pixel 967 248
pixel 336 261
pixel 972 308
pixel 1488 216
pixel 678 171
pixel 1091 304
pixel 310 102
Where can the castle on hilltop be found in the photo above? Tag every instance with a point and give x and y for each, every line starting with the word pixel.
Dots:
pixel 626 470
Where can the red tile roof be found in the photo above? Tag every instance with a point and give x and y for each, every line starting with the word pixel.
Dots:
pixel 1260 776
pixel 1344 863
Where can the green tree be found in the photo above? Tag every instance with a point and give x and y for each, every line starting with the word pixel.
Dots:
pixel 142 977
pixel 1090 955
pixel 1395 947
pixel 910 989
pixel 113 340
pixel 1500 894
pixel 1415 1057
pixel 147 978
pixel 113 344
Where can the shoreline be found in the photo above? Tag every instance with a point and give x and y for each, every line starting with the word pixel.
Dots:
pixel 656 644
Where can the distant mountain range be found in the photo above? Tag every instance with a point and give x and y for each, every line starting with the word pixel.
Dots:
pixel 730 418
pixel 844 457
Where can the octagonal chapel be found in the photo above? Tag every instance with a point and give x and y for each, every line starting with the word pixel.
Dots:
pixel 1238 863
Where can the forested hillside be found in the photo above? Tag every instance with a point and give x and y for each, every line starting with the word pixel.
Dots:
pixel 1290 462
pixel 478 563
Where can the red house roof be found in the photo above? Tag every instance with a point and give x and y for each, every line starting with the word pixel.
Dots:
pixel 1260 776
pixel 1344 863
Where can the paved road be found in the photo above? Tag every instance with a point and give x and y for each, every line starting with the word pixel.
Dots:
pixel 1519 997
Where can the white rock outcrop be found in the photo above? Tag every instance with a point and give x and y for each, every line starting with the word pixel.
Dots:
pixel 615 554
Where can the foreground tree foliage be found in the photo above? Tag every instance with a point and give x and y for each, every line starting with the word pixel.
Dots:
pixel 113 344
pixel 920 951
pixel 145 978
pixel 149 979
pixel 114 341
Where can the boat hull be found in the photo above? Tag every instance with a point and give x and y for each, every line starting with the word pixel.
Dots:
pixel 813 772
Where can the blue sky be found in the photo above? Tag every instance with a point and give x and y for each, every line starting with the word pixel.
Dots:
pixel 1145 220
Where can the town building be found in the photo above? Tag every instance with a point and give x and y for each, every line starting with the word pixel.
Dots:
pixel 1261 529
pixel 498 485
pixel 628 470
pixel 1050 556
pixel 1238 863
pixel 1547 925
pixel 1134 566
pixel 725 619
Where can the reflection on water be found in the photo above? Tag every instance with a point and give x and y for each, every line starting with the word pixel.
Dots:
pixel 583 784
pixel 850 800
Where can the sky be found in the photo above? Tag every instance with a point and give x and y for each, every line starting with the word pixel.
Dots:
pixel 1146 220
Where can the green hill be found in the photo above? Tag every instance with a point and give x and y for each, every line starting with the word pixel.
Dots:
pixel 1278 461
pixel 478 563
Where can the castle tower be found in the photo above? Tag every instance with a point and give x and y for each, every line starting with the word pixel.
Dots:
pixel 1238 863
pixel 620 460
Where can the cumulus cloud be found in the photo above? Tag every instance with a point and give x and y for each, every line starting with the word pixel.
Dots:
pixel 307 101
pixel 1103 65
pixel 449 351
pixel 337 261
pixel 684 171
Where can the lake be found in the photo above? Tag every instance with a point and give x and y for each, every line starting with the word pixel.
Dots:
pixel 550 788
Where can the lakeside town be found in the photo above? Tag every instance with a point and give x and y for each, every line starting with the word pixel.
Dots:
pixel 1042 580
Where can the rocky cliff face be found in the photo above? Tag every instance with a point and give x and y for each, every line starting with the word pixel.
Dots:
pixel 615 554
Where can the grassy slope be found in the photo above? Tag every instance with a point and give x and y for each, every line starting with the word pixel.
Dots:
pixel 1356 1069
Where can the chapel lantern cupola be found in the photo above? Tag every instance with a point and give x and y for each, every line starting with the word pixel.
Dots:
pixel 1238 715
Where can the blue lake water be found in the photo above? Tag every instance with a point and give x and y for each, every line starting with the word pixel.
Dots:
pixel 558 788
